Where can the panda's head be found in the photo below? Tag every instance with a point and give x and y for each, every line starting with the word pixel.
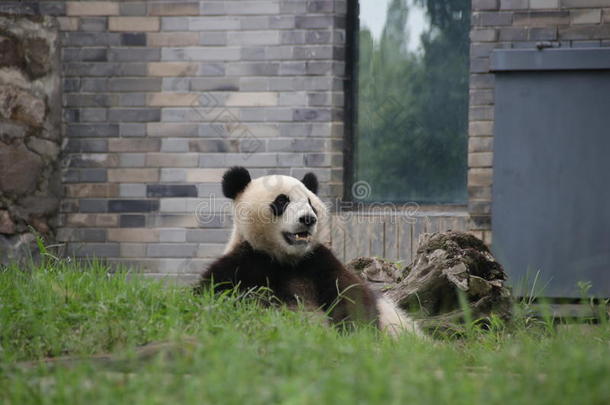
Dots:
pixel 279 215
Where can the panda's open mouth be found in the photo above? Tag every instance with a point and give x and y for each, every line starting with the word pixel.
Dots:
pixel 298 238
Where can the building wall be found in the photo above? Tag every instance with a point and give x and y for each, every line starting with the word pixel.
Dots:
pixel 160 97
pixel 516 24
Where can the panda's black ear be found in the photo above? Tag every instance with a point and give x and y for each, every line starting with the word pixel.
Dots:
pixel 234 181
pixel 311 182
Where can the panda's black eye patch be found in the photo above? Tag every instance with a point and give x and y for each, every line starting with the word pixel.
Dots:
pixel 278 206
pixel 315 211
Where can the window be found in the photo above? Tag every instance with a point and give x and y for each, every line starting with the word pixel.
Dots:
pixel 407 110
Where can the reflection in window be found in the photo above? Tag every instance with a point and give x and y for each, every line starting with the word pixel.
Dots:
pixel 412 100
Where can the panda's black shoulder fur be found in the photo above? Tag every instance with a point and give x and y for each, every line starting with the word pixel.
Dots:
pixel 318 278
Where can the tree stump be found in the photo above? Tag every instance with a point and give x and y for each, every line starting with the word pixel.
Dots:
pixel 446 265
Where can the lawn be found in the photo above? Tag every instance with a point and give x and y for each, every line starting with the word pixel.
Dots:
pixel 227 350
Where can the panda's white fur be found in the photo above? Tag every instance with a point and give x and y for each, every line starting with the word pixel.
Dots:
pixel 393 320
pixel 254 223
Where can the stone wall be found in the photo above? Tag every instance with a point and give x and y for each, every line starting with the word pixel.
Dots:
pixel 30 136
pixel 516 24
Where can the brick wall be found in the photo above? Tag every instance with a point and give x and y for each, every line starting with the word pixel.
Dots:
pixel 516 24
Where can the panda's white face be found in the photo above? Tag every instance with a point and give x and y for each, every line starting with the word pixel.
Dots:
pixel 279 215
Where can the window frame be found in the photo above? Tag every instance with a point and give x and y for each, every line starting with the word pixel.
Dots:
pixel 350 95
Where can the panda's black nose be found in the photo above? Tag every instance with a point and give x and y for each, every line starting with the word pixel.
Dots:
pixel 308 220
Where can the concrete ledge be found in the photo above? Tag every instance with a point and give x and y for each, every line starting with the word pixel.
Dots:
pixel 506 60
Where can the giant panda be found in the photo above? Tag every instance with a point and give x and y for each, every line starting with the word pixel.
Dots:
pixel 276 243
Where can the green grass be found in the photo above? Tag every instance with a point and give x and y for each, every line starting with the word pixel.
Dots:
pixel 237 352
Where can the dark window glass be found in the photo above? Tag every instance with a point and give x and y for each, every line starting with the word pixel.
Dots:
pixel 411 100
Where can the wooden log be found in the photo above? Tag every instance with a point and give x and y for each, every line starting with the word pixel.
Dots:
pixel 453 277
